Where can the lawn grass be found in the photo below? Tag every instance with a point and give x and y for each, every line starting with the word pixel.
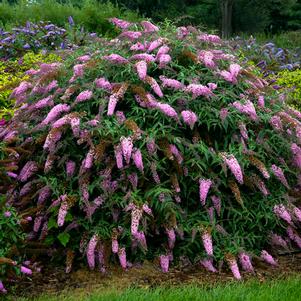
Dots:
pixel 272 290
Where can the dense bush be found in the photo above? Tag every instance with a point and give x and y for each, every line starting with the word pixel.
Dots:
pixel 91 14
pixel 13 72
pixel 290 84
pixel 157 144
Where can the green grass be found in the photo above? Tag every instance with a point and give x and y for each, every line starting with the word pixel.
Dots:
pixel 276 290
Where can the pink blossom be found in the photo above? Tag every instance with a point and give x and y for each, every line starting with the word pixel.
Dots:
pixel 45 102
pixel 207 242
pixel 282 213
pixel 171 238
pixel 115 59
pixel 12 175
pixel 93 122
pixel 102 83
pixel 277 240
pixel 207 57
pixel 62 214
pixel 25 270
pixel 147 209
pixel 120 23
pixel 223 114
pixel 293 236
pixel 140 237
pixel 155 86
pixel 131 35
pixel 133 178
pixel 21 89
pixel 7 214
pixel 208 265
pixel 28 170
pixel 143 56
pixel 162 50
pixel 122 258
pixel 174 150
pixel 217 204
pixel 155 44
pixel 75 126
pixel 83 96
pixel 297 213
pixel 276 123
pixel 141 67
pixel 55 112
pixel 115 245
pixel 91 251
pixel 210 38
pixel 164 60
pixel 136 215
pixel 112 104
pixel 164 263
pixel 137 158
pixel 205 185
pixel 234 166
pixel 127 147
pixel 138 47
pixel 199 90
pixel 234 268
pixel 260 101
pixel 182 32
pixel 167 110
pixel 189 118
pixel 84 58
pixel 231 75
pixel 296 151
pixel 268 258
pixel 88 161
pixel 2 288
pixel 171 83
pixel 277 171
pixel 78 71
pixel 70 168
pixel 246 108
pixel 44 193
pixel 245 262
pixel 118 156
pixel 149 27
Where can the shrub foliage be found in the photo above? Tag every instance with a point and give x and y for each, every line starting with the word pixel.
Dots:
pixel 158 144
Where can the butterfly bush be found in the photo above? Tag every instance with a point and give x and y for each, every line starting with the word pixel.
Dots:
pixel 158 145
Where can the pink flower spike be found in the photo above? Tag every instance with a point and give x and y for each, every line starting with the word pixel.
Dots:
pixel 2 288
pixel 234 166
pixel 265 256
pixel 297 213
pixel 62 214
pixel 164 263
pixel 245 262
pixel 171 83
pixel 217 204
pixel 83 96
pixel 277 171
pixel 149 27
pixel 138 47
pixel 207 242
pixel 122 258
pixel 131 35
pixel 120 23
pixel 102 83
pixel 205 185
pixel 115 246
pixel 171 238
pixel 143 56
pixel 137 158
pixel 167 110
pixel 282 213
pixel 115 59
pixel 25 270
pixel 118 156
pixel 127 147
pixel 208 265
pixel 164 60
pixel 189 118
pixel 91 251
pixel 234 268
pixel 141 68
pixel 55 112
pixel 147 209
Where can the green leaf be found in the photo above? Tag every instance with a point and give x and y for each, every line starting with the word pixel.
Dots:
pixel 64 238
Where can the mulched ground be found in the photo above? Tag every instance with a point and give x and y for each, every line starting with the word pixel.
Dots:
pixel 55 280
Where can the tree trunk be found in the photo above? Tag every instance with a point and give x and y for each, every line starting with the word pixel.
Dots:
pixel 226 9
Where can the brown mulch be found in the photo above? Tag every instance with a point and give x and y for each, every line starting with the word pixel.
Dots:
pixel 54 280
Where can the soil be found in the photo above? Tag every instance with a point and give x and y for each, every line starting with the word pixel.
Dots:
pixel 52 281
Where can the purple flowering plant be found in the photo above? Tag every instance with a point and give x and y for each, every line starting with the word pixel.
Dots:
pixel 136 154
